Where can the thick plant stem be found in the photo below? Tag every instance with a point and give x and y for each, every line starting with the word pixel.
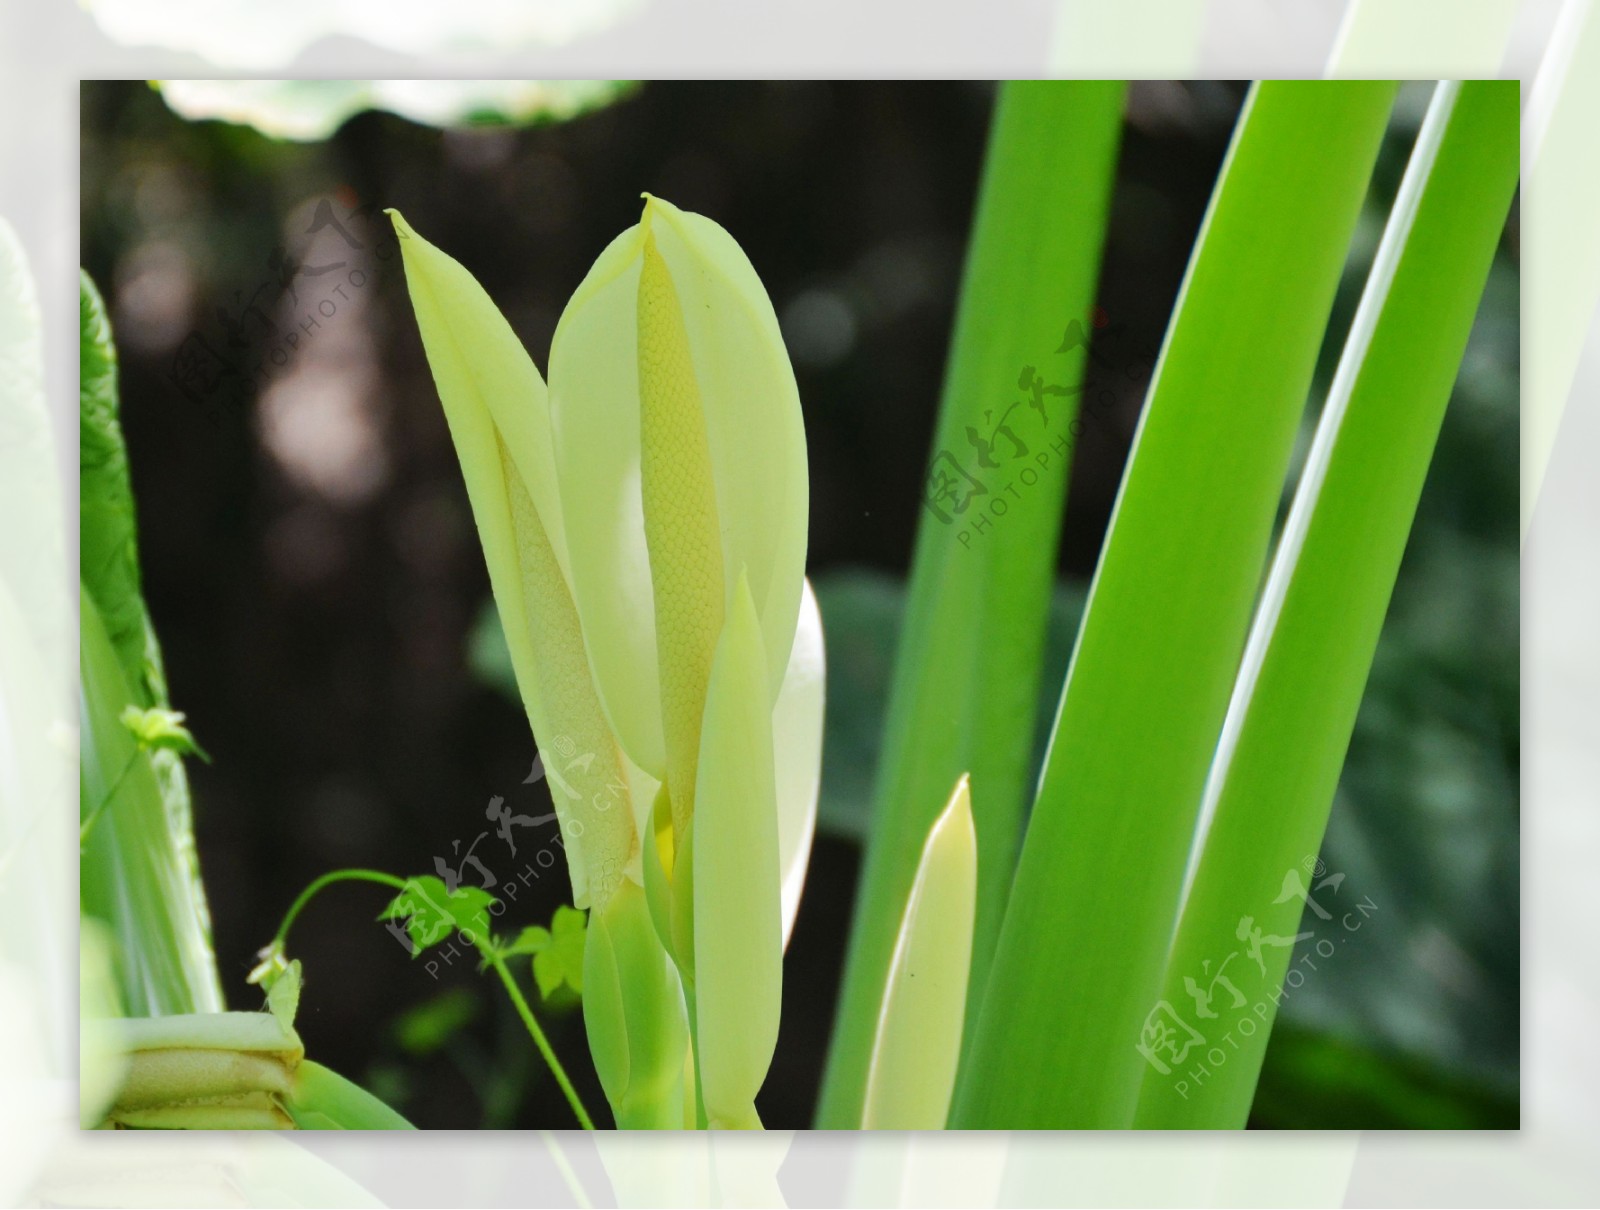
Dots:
pixel 700 1121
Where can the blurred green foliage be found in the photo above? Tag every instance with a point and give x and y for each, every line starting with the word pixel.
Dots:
pixel 427 1027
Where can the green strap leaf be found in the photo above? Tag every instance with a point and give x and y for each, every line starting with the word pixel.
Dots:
pixel 1311 647
pixel 1083 946
pixel 108 555
pixel 967 670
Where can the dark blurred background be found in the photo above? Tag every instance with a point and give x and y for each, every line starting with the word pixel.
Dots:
pixel 314 575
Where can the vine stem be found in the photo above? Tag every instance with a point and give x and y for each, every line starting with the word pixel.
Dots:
pixel 492 956
pixel 305 897
pixel 485 946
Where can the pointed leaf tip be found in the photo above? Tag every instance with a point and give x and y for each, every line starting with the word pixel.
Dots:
pixel 912 1072
pixel 753 431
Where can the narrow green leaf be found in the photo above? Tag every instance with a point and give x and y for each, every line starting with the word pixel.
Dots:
pixel 918 1044
pixel 967 670
pixel 109 577
pixel 497 409
pixel 133 871
pixel 1082 949
pixel 1315 633
pixel 108 549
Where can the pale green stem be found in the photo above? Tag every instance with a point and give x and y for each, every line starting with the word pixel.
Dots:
pixel 94 816
pixel 352 875
pixel 492 956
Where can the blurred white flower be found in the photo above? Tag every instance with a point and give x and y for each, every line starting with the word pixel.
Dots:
pixel 313 109
pixel 242 34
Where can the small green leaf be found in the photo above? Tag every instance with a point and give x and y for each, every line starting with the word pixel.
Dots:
pixel 159 729
pixel 560 960
pixel 432 912
pixel 283 994
pixel 530 941
pixel 547 972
